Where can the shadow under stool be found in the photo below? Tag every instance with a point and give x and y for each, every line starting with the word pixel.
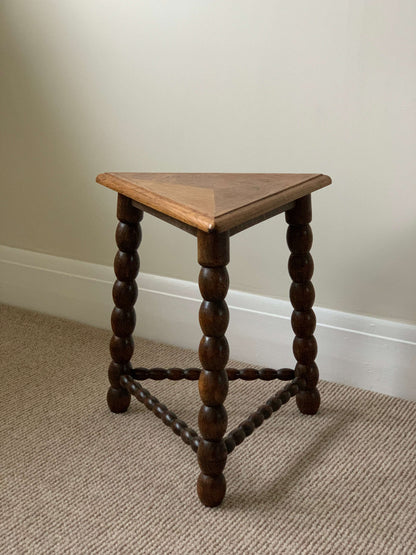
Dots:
pixel 213 207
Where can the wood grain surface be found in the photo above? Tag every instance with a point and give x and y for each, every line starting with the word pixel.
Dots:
pixel 213 201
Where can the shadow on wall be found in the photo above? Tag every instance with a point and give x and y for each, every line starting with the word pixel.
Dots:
pixel 369 261
pixel 49 161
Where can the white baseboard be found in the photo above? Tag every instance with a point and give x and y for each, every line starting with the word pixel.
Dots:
pixel 370 353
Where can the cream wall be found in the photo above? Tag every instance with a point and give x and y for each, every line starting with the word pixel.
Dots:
pixel 231 85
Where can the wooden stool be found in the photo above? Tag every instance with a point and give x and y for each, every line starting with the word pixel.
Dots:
pixel 213 207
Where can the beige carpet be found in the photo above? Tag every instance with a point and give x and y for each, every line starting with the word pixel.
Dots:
pixel 76 478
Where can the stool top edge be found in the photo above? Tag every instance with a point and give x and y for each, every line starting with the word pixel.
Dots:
pixel 213 201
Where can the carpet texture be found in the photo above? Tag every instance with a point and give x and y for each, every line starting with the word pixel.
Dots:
pixel 76 478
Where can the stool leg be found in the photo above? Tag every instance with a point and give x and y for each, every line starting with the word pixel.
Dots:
pixel 123 317
pixel 302 296
pixel 213 256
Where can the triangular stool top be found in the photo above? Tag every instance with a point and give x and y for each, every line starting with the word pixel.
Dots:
pixel 213 201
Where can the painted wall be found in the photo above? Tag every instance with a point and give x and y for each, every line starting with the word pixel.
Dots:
pixel 223 85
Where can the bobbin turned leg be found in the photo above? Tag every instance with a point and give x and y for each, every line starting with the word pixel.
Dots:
pixel 302 296
pixel 123 317
pixel 213 256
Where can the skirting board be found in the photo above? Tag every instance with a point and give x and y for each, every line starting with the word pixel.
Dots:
pixel 369 353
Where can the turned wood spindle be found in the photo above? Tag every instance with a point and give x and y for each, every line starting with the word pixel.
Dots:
pixel 302 296
pixel 123 317
pixel 256 419
pixel 246 374
pixel 213 256
pixel 179 427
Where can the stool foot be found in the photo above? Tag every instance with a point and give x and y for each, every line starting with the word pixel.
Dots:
pixel 118 400
pixel 308 401
pixel 211 489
